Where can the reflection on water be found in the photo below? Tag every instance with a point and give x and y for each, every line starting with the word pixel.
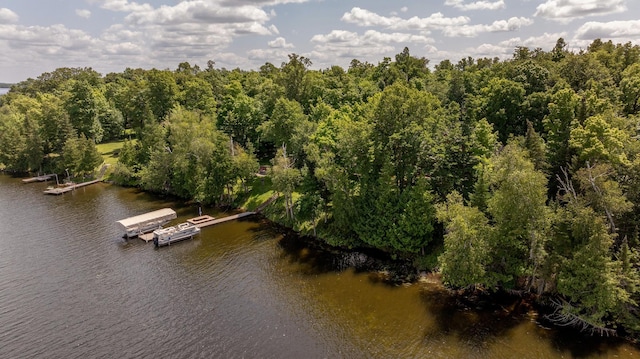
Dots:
pixel 71 286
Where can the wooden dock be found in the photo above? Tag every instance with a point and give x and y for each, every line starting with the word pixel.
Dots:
pixel 206 221
pixel 37 179
pixel 147 237
pixel 201 222
pixel 60 190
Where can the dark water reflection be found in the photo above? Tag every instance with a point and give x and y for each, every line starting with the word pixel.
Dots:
pixel 71 287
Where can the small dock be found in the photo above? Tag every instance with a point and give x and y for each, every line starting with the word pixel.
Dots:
pixel 60 190
pixel 37 179
pixel 147 237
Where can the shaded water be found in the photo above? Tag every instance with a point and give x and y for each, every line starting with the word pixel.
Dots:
pixel 71 287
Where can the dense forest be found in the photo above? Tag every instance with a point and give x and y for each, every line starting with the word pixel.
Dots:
pixel 520 175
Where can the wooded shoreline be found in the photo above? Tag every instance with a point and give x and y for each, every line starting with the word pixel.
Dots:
pixel 519 175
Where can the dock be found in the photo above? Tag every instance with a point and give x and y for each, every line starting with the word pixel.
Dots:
pixel 37 179
pixel 206 221
pixel 147 237
pixel 60 190
pixel 203 221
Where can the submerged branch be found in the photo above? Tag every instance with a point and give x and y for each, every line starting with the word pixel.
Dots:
pixel 561 316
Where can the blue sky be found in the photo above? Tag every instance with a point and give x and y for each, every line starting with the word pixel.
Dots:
pixel 38 36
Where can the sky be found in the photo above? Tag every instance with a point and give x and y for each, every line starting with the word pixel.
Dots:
pixel 38 36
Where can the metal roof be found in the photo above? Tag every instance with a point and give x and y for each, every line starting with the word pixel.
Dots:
pixel 165 213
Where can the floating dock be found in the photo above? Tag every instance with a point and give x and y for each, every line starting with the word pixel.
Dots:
pixel 37 179
pixel 60 190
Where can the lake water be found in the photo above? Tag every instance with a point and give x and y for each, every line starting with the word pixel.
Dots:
pixel 3 91
pixel 72 287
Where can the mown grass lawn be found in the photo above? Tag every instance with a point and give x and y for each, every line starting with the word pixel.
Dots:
pixel 110 151
pixel 260 190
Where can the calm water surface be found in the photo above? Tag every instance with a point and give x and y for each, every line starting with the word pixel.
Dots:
pixel 71 287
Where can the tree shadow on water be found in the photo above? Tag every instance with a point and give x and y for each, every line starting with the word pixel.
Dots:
pixel 477 320
pixel 581 344
pixel 314 257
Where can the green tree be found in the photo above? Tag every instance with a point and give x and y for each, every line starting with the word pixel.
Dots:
pixel 587 279
pixel 518 208
pixel 630 87
pixel 598 139
pixel 80 156
pixel 466 253
pixel 411 67
pixel 84 107
pixel 246 165
pixel 285 178
pixel 163 92
pixel 55 124
pixel 557 125
pixel 240 115
pixel 293 73
pixel 14 143
pixel 414 227
pixel 536 146
pixel 197 95
pixel 288 125
pixel 500 102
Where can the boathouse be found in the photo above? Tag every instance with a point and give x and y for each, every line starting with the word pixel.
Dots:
pixel 148 222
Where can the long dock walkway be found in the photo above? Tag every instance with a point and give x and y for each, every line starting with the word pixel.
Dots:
pixel 203 221
pixel 206 221
pixel 60 190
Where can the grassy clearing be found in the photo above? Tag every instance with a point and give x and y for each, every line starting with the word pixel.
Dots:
pixel 261 190
pixel 110 151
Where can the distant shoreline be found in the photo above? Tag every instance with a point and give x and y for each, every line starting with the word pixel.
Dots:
pixel 5 85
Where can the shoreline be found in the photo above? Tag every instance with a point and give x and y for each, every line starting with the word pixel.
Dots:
pixel 381 267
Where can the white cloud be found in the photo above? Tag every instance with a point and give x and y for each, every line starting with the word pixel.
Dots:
pixel 477 5
pixel 124 49
pixel 124 6
pixel 404 9
pixel 198 12
pixel 609 30
pixel 280 43
pixel 568 10
pixel 363 17
pixel 7 16
pixel 261 2
pixel 545 41
pixel 371 45
pixel 268 55
pixel 83 13
pixel 502 49
pixel 513 24
pixel 369 38
pixel 45 48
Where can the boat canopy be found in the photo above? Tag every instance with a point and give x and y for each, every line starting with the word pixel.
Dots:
pixel 144 222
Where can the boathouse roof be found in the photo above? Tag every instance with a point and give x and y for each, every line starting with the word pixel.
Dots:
pixel 161 214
